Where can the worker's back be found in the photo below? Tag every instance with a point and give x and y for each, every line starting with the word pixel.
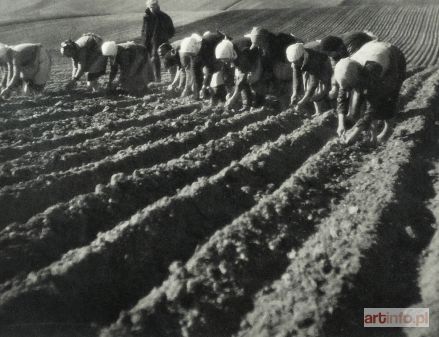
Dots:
pixel 374 51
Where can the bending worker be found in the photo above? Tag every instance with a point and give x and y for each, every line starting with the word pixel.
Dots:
pixel 87 58
pixel 376 73
pixel 312 71
pixel 26 63
pixel 134 64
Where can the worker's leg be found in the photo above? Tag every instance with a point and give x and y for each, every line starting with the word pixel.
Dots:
pixel 373 132
pixel 386 132
pixel 352 134
pixel 156 66
pixel 318 107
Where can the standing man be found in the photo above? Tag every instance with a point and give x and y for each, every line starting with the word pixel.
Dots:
pixel 157 28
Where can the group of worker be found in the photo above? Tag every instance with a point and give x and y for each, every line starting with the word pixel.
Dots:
pixel 355 72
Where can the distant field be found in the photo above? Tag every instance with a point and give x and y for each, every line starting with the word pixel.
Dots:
pixel 389 2
pixel 298 4
pixel 116 27
pixel 15 9
pixel 413 28
pixel 162 216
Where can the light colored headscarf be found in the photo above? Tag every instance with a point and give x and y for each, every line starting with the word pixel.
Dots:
pixel 225 50
pixel 347 73
pixel 191 44
pixel 109 48
pixel 295 52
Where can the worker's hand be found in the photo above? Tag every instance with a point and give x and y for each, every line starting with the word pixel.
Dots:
pixel 293 100
pixel 232 101
pixel 302 102
pixel 229 103
pixel 204 92
pixel 185 93
pixel 245 107
pixel 170 87
pixel 341 131
pixel 333 93
pixel 5 93
pixel 70 85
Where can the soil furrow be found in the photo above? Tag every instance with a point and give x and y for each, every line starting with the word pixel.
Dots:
pixel 82 134
pixel 45 237
pixel 348 242
pixel 19 202
pixel 33 164
pixel 83 117
pixel 208 295
pixel 428 273
pixel 127 261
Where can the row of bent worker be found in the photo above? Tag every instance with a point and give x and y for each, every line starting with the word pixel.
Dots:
pixel 361 75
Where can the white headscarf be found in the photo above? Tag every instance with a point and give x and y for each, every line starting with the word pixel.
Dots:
pixel 347 73
pixel 295 52
pixel 225 50
pixel 109 48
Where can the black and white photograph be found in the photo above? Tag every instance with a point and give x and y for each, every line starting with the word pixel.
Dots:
pixel 201 168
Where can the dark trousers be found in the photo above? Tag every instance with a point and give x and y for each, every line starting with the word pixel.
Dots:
pixel 156 66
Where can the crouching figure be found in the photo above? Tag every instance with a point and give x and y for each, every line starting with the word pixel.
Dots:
pixel 312 71
pixel 87 58
pixel 236 67
pixel 134 64
pixel 197 57
pixel 28 64
pixel 170 56
pixel 372 77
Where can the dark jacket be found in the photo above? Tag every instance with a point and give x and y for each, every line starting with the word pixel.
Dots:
pixel 345 44
pixel 157 28
pixel 277 45
pixel 354 41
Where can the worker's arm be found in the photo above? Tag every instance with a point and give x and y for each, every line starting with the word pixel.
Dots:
pixel 10 68
pixel 176 79
pixel 4 81
pixel 310 90
pixel 297 77
pixel 188 80
pixel 13 78
pixel 77 73
pixel 241 80
pixel 342 110
pixel 207 78
pixel 74 68
pixel 14 74
pixel 113 72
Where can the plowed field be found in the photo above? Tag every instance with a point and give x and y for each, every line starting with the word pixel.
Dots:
pixel 160 216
